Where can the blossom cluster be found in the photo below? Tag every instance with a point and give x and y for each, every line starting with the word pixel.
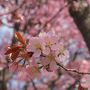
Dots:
pixel 44 51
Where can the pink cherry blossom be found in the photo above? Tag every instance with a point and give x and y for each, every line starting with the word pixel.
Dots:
pixel 35 45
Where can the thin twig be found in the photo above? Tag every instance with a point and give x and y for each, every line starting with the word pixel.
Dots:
pixel 52 18
pixel 60 9
pixel 72 70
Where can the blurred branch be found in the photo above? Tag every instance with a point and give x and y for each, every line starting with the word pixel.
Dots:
pixel 80 12
pixel 53 17
pixel 60 9
pixel 18 7
pixel 73 85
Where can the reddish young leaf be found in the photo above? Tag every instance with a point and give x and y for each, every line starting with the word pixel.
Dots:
pixel 14 16
pixel 17 17
pixel 8 51
pixel 13 49
pixel 26 55
pixel 20 38
pixel 15 54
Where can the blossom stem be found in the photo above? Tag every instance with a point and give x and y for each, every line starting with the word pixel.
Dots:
pixel 35 88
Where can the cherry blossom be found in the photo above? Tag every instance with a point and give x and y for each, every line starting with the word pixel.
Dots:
pixel 51 38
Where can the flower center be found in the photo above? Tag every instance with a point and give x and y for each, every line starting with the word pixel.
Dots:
pixel 51 57
pixel 37 46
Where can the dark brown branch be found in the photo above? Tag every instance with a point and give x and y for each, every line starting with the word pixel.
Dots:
pixel 72 70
